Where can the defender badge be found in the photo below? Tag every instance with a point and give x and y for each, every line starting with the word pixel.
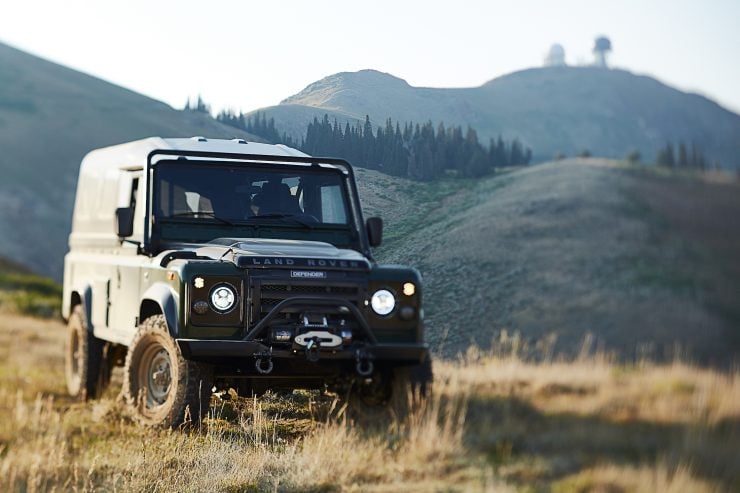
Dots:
pixel 308 274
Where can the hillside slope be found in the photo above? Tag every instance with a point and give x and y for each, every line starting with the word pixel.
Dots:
pixel 645 262
pixel 27 293
pixel 553 109
pixel 50 117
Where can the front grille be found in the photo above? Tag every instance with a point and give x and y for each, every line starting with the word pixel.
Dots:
pixel 267 294
pixel 273 290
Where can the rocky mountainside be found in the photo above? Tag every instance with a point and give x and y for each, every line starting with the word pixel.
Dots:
pixel 552 110
pixel 50 117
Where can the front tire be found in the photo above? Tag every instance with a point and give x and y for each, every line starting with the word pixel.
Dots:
pixel 390 395
pixel 86 371
pixel 161 387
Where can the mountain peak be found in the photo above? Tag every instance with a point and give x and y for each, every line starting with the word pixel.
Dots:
pixel 553 110
pixel 324 92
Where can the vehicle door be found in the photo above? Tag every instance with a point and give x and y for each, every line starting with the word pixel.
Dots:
pixel 126 280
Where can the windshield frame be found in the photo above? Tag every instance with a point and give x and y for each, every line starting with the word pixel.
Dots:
pixel 355 223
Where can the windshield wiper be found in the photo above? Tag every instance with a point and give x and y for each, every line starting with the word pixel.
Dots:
pixel 295 218
pixel 206 214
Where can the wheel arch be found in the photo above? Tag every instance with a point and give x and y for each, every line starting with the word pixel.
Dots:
pixel 82 295
pixel 160 299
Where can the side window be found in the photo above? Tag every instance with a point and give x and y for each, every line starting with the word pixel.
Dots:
pixel 134 193
pixel 130 194
pixel 332 205
pixel 137 203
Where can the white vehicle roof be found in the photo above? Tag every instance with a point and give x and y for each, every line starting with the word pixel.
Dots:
pixel 134 154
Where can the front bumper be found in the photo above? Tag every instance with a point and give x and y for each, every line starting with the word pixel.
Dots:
pixel 209 350
pixel 235 352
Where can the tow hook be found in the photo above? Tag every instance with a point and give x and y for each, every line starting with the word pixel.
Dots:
pixel 364 366
pixel 313 350
pixel 263 363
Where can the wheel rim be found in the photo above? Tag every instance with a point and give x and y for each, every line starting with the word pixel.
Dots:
pixel 155 376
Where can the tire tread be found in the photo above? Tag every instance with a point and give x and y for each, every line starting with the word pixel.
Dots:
pixel 94 370
pixel 192 390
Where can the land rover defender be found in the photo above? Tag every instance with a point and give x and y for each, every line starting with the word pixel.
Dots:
pixel 200 264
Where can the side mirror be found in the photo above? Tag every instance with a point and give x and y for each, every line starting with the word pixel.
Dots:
pixel 124 222
pixel 375 231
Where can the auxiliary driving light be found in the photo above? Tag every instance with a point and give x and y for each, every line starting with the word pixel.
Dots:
pixel 407 312
pixel 383 302
pixel 282 335
pixel 223 297
pixel 200 307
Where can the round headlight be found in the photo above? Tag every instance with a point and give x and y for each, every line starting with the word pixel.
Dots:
pixel 383 302
pixel 223 297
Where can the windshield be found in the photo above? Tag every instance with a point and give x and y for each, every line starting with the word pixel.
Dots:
pixel 196 202
pixel 240 194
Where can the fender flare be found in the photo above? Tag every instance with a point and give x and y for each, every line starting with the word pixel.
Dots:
pixel 167 300
pixel 84 293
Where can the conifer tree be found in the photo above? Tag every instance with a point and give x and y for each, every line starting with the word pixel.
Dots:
pixel 683 159
pixel 418 151
pixel 516 156
pixel 670 159
pixel 665 156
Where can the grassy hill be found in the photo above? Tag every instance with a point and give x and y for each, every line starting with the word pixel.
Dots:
pixel 50 117
pixel 23 292
pixel 553 109
pixel 647 262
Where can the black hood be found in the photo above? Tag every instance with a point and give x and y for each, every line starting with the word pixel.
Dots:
pixel 264 253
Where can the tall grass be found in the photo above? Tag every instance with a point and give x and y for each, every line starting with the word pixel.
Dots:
pixel 96 447
pixel 495 422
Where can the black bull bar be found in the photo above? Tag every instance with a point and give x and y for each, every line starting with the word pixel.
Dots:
pixel 400 353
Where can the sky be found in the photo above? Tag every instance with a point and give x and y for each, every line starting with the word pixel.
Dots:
pixel 245 55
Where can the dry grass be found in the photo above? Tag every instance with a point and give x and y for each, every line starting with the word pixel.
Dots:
pixel 612 478
pixel 495 423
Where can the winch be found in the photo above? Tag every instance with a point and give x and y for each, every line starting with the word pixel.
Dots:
pixel 318 335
